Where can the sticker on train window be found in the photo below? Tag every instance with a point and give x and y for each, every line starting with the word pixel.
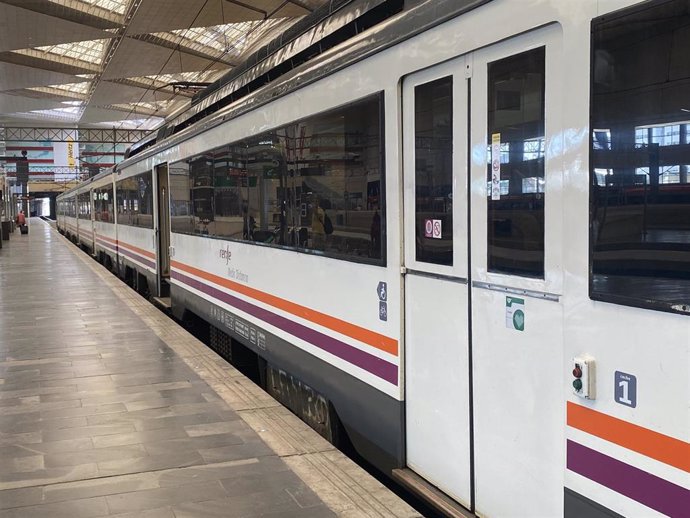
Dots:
pixel 515 313
pixel 433 229
pixel 496 166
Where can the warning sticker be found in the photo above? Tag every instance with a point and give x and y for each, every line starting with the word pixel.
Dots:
pixel 515 313
pixel 433 228
pixel 496 166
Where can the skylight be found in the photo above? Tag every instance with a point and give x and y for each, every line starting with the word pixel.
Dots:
pixel 230 39
pixel 137 124
pixel 71 113
pixel 144 93
pixel 89 51
pixel 80 89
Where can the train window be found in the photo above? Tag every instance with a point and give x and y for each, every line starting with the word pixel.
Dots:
pixel 96 204
pixel 201 192
pixel 338 169
pixel 84 203
pixel 231 211
pixel 134 197
pixel 103 204
pixel 640 157
pixel 434 171
pixel 265 168
pixel 314 185
pixel 516 165
pixel 181 215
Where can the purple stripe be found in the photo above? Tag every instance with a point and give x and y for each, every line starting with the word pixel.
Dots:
pixel 105 244
pixel 650 490
pixel 137 257
pixel 376 366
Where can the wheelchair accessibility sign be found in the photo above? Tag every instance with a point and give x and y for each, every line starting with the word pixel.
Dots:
pixel 382 292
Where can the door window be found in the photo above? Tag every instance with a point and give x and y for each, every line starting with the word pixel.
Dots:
pixel 434 171
pixel 516 164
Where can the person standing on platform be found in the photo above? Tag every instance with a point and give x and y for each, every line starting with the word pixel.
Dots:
pixel 318 232
pixel 21 222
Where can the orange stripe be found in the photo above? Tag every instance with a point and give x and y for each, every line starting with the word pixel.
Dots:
pixel 133 248
pixel 663 448
pixel 105 238
pixel 372 338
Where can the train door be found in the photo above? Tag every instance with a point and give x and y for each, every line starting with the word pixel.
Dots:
pixel 483 246
pixel 516 247
pixel 437 388
pixel 163 231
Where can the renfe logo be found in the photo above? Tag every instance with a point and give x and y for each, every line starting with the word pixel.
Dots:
pixel 226 254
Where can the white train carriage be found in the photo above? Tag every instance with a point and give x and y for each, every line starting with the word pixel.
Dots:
pixel 467 232
pixel 136 236
pixel 103 220
pixel 85 235
pixel 66 220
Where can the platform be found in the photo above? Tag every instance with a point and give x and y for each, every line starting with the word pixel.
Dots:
pixel 108 408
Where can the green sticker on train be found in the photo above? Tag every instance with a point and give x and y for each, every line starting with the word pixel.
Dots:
pixel 515 313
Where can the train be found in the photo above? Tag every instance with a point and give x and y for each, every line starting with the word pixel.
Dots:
pixel 455 233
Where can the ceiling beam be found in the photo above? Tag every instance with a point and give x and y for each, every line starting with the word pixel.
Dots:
pixel 84 135
pixel 46 92
pixel 37 59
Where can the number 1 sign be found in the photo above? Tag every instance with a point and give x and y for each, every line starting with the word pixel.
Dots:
pixel 625 389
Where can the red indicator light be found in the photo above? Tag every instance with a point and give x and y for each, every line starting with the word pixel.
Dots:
pixel 577 371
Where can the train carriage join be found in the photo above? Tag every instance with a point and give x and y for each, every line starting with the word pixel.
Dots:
pixel 461 238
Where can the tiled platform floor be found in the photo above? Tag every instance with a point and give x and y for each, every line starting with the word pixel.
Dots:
pixel 107 408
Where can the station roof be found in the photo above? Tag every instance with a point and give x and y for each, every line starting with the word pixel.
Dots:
pixel 125 63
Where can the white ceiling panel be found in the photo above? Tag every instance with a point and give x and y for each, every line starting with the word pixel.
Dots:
pixel 16 103
pixel 94 115
pixel 22 29
pixel 13 77
pixel 138 58
pixel 114 93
